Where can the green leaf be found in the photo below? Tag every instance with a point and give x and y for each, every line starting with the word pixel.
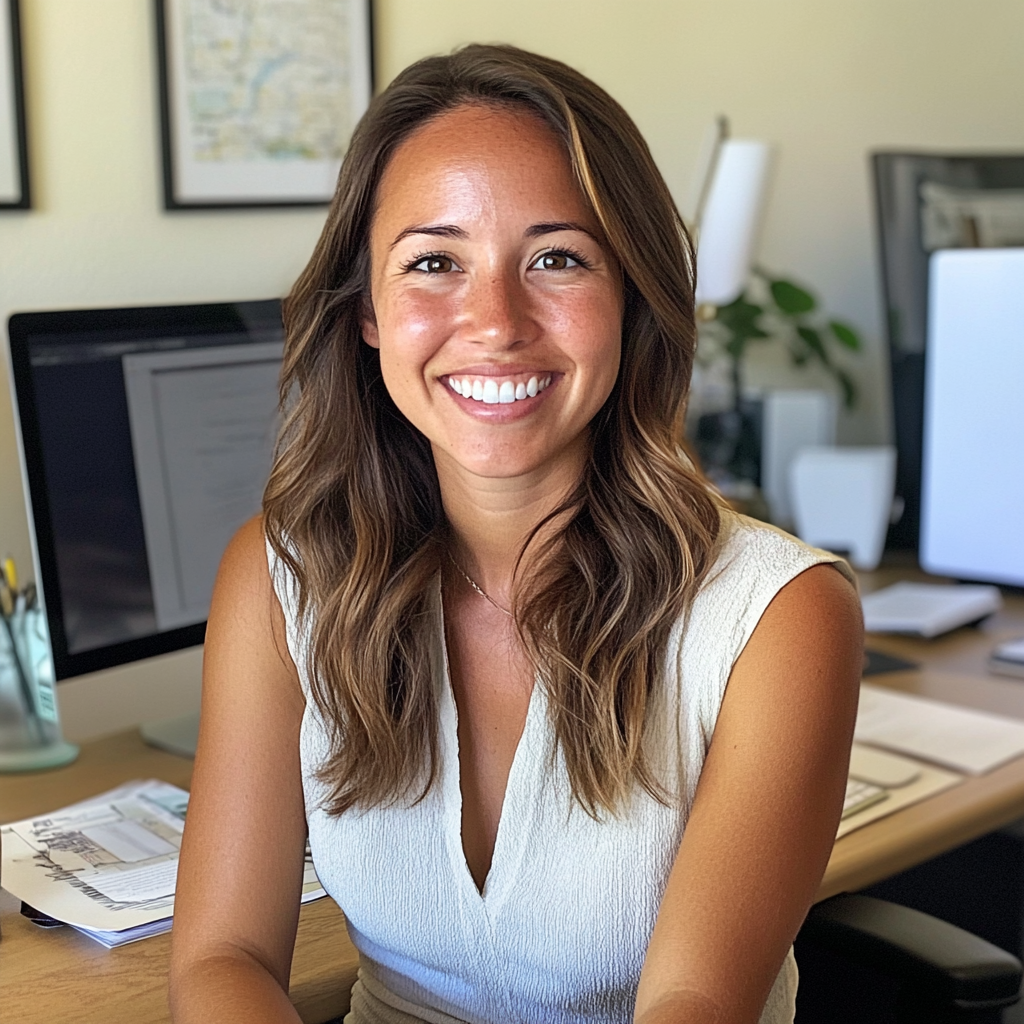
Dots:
pixel 741 321
pixel 792 299
pixel 740 310
pixel 812 339
pixel 845 335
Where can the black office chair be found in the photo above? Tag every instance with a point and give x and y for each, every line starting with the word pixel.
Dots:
pixel 935 972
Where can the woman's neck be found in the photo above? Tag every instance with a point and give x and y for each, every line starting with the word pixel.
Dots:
pixel 492 517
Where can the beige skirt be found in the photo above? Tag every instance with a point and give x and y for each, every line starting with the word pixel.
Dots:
pixel 372 1003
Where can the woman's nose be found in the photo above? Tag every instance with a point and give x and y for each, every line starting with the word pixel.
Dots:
pixel 496 311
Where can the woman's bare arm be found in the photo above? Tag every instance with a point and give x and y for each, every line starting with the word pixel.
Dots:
pixel 239 880
pixel 765 813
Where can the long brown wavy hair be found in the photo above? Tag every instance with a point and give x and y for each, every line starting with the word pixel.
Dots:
pixel 353 507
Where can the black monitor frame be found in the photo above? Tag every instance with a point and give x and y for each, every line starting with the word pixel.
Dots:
pixel 132 322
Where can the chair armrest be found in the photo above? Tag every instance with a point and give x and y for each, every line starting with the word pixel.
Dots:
pixel 946 963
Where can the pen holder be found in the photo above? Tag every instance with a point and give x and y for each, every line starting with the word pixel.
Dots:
pixel 30 734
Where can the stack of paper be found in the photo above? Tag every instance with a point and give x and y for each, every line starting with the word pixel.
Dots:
pixel 107 866
pixel 965 740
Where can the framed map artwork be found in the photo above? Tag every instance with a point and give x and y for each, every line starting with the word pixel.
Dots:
pixel 258 98
pixel 14 186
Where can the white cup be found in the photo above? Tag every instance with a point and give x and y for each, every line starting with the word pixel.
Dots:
pixel 843 499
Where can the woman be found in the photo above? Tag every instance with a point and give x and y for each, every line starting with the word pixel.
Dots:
pixel 488 661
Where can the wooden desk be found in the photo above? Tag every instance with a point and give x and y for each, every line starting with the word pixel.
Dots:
pixel 44 974
pixel 952 668
pixel 59 975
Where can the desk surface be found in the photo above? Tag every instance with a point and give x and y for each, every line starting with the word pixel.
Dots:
pixel 952 668
pixel 44 973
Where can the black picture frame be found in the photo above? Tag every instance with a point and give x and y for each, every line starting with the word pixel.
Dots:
pixel 15 187
pixel 207 183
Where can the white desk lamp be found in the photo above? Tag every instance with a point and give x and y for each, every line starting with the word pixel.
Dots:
pixel 726 204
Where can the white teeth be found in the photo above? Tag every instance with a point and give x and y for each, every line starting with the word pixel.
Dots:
pixel 488 391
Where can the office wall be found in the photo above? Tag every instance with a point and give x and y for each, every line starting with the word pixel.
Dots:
pixel 824 80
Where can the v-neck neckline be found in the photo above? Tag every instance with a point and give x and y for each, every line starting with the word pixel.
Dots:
pixel 503 864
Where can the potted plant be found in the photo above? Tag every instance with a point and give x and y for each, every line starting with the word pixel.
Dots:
pixel 772 309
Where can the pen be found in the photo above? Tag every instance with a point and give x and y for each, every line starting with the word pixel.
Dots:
pixel 11 574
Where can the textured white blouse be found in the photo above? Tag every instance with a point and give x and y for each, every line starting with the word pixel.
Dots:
pixel 561 928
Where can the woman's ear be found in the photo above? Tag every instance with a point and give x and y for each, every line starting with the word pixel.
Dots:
pixel 368 323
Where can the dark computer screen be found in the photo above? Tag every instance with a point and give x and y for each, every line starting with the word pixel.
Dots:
pixel 146 437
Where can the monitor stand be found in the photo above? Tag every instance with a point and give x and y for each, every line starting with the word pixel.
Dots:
pixel 176 735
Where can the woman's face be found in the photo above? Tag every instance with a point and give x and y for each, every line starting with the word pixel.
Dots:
pixel 497 304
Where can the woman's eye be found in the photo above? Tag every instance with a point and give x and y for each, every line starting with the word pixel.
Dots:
pixel 556 261
pixel 434 265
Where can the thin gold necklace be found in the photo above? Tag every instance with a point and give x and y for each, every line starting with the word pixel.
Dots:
pixel 480 590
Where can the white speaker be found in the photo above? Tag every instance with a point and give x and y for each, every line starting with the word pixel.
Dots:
pixel 792 419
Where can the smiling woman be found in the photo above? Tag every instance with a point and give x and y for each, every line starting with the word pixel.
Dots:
pixel 568 736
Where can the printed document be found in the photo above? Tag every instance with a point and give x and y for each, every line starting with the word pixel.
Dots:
pixel 107 866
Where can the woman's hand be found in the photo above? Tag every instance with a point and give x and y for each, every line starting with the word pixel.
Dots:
pixel 765 813
pixel 237 902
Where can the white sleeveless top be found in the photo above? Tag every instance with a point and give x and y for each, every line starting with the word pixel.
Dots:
pixel 561 928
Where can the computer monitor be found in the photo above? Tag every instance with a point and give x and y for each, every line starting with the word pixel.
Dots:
pixel 927 202
pixel 972 494
pixel 146 437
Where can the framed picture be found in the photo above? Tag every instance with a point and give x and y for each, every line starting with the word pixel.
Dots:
pixel 14 185
pixel 259 98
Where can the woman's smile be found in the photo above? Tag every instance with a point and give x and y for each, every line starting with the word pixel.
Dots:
pixel 500 396
pixel 504 390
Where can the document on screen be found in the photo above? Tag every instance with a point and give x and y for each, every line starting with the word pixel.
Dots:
pixel 203 425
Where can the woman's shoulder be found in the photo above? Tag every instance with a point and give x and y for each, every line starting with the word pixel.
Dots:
pixel 754 562
pixel 754 553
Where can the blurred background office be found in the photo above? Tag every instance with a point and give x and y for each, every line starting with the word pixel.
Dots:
pixel 825 82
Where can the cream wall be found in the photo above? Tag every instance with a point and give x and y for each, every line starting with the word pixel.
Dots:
pixel 825 81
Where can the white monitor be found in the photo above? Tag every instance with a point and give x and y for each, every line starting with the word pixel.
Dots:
pixel 972 485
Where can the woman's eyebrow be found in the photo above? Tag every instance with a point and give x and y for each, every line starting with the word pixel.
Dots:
pixel 440 230
pixel 551 227
pixel 454 231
